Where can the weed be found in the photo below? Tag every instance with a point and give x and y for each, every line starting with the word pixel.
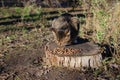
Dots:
pixel 31 9
pixel 17 78
pixel 18 11
pixel 97 72
pixel 60 12
pixel 26 11
pixel 80 2
pixel 105 23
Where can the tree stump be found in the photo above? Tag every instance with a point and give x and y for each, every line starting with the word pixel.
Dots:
pixel 73 56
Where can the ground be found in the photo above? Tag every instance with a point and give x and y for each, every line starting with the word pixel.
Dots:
pixel 23 59
pixel 22 56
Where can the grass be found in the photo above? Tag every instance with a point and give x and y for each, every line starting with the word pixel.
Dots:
pixel 104 25
pixel 103 28
pixel 31 9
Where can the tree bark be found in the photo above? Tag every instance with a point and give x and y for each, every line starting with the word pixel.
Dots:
pixel 73 56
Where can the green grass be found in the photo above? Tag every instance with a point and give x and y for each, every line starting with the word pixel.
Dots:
pixel 104 24
pixel 103 28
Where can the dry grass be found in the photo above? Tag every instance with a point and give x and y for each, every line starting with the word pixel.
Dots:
pixel 104 26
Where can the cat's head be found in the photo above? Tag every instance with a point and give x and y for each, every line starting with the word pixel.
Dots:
pixel 64 28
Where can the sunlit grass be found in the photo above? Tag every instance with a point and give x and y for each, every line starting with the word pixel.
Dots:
pixel 104 27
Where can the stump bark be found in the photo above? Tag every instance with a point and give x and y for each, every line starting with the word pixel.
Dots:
pixel 73 56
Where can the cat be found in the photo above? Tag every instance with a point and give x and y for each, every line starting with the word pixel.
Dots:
pixel 65 29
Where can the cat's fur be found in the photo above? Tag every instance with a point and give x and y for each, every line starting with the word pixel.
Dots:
pixel 65 29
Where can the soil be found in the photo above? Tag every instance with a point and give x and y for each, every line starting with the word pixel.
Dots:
pixel 27 63
pixel 22 56
pixel 20 63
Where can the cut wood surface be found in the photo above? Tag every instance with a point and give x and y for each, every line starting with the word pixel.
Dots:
pixel 73 56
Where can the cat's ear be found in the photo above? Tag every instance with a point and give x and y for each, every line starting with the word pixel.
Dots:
pixel 53 23
pixel 75 22
pixel 52 26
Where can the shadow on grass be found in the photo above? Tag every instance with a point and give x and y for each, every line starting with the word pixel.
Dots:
pixel 14 28
pixel 14 19
pixel 108 51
